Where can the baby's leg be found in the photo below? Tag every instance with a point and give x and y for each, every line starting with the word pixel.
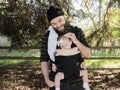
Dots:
pixel 84 75
pixel 59 76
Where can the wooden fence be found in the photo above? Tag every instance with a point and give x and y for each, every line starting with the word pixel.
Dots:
pixel 37 58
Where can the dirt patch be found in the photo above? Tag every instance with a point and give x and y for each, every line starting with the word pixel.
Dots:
pixel 105 80
pixel 32 79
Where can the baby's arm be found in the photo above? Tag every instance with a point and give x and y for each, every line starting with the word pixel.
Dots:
pixel 67 52
pixel 83 65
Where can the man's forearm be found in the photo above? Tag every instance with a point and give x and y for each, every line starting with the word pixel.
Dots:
pixel 85 51
pixel 45 70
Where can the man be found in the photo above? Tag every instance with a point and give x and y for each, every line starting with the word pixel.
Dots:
pixel 55 17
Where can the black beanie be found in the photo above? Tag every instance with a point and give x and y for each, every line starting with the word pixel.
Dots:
pixel 54 12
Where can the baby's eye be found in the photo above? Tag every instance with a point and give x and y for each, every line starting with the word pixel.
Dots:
pixel 65 44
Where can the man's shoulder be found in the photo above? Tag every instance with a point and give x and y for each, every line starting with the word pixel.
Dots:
pixel 45 35
pixel 72 28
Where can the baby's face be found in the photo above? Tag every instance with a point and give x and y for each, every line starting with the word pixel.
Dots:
pixel 66 43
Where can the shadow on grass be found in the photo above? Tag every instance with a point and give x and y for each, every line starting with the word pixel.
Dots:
pixel 20 78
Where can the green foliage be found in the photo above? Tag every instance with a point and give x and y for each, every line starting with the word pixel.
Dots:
pixel 103 16
pixel 24 21
pixel 116 32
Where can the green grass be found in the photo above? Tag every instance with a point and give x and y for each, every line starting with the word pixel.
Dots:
pixel 103 63
pixel 103 54
pixel 15 53
pixel 23 63
pixel 90 63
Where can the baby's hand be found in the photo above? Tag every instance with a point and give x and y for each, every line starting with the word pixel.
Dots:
pixel 54 68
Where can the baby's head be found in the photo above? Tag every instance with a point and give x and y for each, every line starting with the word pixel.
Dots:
pixel 64 42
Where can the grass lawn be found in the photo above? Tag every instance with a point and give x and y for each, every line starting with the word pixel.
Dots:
pixel 32 53
pixel 26 63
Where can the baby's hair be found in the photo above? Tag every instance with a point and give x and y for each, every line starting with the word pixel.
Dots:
pixel 61 37
pixel 60 40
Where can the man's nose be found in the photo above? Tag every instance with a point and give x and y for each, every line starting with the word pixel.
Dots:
pixel 58 25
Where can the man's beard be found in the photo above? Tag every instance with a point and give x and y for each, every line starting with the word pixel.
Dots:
pixel 61 32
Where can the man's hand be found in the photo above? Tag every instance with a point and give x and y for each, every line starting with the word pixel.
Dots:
pixel 49 83
pixel 54 68
pixel 85 51
pixel 71 36
pixel 45 71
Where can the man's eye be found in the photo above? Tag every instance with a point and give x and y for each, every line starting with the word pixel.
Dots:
pixel 60 20
pixel 54 24
pixel 65 44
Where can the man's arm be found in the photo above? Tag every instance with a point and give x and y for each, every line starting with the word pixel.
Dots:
pixel 85 51
pixel 45 72
pixel 44 58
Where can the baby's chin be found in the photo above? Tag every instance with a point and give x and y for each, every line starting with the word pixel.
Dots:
pixel 66 48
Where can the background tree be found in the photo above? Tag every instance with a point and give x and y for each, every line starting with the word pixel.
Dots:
pixel 24 21
pixel 100 21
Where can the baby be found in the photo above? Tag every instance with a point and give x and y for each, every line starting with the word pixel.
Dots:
pixel 73 56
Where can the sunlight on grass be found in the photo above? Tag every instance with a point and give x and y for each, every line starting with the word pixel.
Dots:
pixel 103 63
pixel 35 53
pixel 18 53
pixel 25 63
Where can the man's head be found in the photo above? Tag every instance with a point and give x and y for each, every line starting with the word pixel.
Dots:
pixel 64 42
pixel 56 18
